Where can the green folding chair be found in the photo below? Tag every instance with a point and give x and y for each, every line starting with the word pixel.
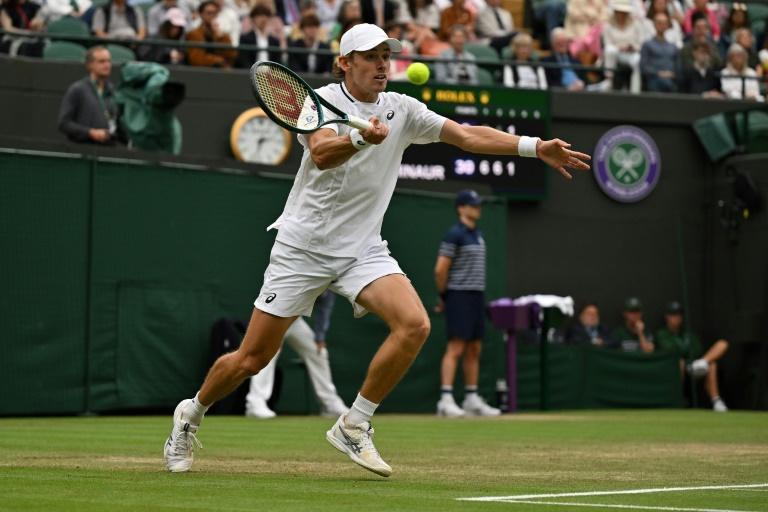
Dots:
pixel 121 54
pixel 64 51
pixel 68 26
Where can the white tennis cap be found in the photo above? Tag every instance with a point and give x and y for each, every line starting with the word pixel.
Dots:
pixel 364 37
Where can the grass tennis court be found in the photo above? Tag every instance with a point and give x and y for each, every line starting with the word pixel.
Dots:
pixel 115 463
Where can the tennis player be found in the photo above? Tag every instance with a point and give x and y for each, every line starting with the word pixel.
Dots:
pixel 329 237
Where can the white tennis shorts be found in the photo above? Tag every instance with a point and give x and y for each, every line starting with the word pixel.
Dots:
pixel 295 278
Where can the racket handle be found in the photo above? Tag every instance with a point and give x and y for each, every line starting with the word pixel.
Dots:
pixel 359 123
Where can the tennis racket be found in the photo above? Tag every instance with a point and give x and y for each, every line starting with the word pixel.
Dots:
pixel 290 102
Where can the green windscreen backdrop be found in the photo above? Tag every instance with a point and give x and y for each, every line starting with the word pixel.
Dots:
pixel 113 273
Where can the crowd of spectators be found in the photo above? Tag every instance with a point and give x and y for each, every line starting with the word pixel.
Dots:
pixel 690 46
pixel 634 335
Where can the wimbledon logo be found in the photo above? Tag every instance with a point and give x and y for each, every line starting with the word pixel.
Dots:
pixel 627 164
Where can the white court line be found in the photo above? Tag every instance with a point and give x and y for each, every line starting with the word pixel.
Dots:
pixel 609 505
pixel 611 493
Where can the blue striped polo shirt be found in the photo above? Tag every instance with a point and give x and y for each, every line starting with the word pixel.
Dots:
pixel 466 248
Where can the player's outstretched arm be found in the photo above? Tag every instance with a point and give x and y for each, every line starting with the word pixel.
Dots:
pixel 329 150
pixel 489 141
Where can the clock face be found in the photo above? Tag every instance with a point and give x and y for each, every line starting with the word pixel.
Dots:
pixel 259 140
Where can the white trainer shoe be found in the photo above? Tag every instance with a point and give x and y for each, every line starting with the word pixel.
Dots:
pixel 180 446
pixel 259 409
pixel 357 442
pixel 698 368
pixel 719 406
pixel 448 408
pixel 476 406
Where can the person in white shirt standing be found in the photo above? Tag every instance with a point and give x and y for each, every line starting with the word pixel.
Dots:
pixel 329 237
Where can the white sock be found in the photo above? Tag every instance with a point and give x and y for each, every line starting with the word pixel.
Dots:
pixel 470 392
pixel 361 411
pixel 446 391
pixel 195 411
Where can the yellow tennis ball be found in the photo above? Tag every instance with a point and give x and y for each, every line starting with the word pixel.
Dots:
pixel 417 73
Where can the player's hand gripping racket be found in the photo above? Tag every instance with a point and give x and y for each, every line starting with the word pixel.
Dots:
pixel 290 101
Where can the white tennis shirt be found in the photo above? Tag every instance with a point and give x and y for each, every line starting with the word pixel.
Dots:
pixel 339 211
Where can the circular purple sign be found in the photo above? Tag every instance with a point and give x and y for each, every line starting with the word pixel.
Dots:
pixel 626 163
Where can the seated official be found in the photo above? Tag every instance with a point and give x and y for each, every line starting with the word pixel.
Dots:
pixel 310 62
pixel 88 112
pixel 674 337
pixel 633 336
pixel 587 329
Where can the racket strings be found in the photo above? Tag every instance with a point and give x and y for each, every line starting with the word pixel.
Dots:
pixel 282 93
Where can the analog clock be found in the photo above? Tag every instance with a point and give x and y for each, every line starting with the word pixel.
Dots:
pixel 256 139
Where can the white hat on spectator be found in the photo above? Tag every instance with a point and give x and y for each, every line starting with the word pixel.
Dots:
pixel 176 17
pixel 364 37
pixel 622 6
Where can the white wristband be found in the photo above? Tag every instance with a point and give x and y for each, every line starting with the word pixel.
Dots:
pixel 358 141
pixel 526 146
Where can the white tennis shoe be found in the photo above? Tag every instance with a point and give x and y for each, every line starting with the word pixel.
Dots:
pixel 357 442
pixel 448 408
pixel 474 405
pixel 259 409
pixel 180 446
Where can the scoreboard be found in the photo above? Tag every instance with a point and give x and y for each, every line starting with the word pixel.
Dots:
pixel 443 167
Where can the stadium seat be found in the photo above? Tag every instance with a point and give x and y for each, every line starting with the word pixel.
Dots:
pixel 484 77
pixel 715 135
pixel 121 54
pixel 64 50
pixel 482 52
pixel 68 26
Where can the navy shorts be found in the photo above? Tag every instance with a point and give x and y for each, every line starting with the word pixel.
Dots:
pixel 465 314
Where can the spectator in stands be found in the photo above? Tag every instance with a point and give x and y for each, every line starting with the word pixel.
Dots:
pixel 563 75
pixel 494 23
pixel 456 72
pixel 744 38
pixel 659 59
pixel 673 34
pixel 739 81
pixel 288 11
pixel 349 14
pixel 738 17
pixel 16 18
pixel 762 68
pixel 700 34
pixel 701 7
pixel 623 37
pixel 675 338
pixel 583 15
pixel 119 20
pixel 172 28
pixel 457 14
pixel 701 77
pixel 425 13
pixel 633 336
pixel 398 67
pixel 258 36
pixel 228 20
pixel 584 26
pixel 53 10
pixel 379 12
pixel 312 62
pixel 548 13
pixel 522 74
pixel 88 112
pixel 208 32
pixel 327 13
pixel 587 329
pixel 156 15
